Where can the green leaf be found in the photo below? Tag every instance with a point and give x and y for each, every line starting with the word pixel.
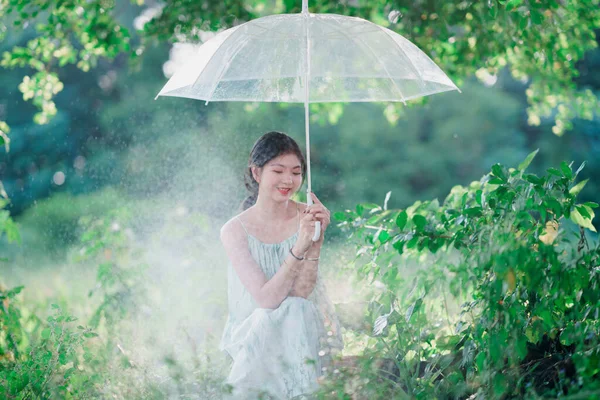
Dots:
pixel 523 166
pixel 46 333
pixel 577 188
pixel 523 22
pixel 371 206
pixel 478 196
pixel 536 17
pixel 401 220
pixel 533 178
pixel 493 8
pixel 583 211
pixel 414 307
pixel 384 236
pixel 554 171
pixel 12 232
pixel 567 172
pixel 339 216
pixel 591 204
pixel 399 246
pixel 360 209
pixel 420 222
pixel 473 211
pixel 14 291
pixel 480 361
pixel 498 171
pixel 434 245
pixel 499 385
pixel 554 205
pixel 511 5
pixel 581 221
pixel 521 347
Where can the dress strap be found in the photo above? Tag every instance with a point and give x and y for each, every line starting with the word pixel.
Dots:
pixel 236 217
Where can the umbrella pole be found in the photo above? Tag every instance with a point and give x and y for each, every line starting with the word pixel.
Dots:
pixel 309 199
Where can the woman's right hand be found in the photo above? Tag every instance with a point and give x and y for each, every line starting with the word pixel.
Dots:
pixel 307 230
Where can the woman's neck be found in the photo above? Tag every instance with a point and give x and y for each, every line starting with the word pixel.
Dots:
pixel 269 210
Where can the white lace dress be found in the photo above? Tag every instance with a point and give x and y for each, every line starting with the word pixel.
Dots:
pixel 277 353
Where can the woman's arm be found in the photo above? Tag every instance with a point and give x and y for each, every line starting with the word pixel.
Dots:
pixel 306 280
pixel 267 293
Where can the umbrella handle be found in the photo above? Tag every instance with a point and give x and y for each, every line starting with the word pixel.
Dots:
pixel 317 231
pixel 317 234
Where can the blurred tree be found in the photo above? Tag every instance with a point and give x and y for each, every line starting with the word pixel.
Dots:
pixel 541 40
pixel 42 156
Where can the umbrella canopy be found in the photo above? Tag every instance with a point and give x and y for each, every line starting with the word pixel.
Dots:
pixel 343 59
pixel 308 58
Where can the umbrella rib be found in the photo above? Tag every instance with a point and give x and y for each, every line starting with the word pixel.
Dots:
pixel 214 88
pixel 378 60
pixel 228 62
pixel 208 62
pixel 410 63
pixel 271 29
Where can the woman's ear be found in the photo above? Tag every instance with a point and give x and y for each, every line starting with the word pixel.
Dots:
pixel 256 173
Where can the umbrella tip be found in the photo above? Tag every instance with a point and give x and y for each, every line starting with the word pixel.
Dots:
pixel 157 96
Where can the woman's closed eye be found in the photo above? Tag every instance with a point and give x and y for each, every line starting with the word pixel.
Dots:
pixel 295 173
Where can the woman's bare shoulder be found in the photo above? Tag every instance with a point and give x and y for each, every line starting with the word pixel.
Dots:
pixel 232 231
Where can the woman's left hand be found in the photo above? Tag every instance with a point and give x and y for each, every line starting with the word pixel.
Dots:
pixel 321 213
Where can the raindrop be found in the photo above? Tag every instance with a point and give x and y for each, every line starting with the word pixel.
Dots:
pixel 79 162
pixel 59 178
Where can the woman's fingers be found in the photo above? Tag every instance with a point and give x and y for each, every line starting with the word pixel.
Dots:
pixel 316 208
pixel 308 217
pixel 315 198
pixel 321 216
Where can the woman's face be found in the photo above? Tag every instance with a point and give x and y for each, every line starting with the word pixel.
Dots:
pixel 280 178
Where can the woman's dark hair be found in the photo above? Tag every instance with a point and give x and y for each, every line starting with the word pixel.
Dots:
pixel 267 147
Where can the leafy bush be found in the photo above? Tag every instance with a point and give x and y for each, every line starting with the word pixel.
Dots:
pixel 53 224
pixel 524 284
pixel 7 225
pixel 42 359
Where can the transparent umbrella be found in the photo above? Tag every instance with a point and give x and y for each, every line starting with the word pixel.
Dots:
pixel 308 58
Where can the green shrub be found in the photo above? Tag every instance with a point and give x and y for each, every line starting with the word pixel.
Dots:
pixel 525 286
pixel 42 359
pixel 53 224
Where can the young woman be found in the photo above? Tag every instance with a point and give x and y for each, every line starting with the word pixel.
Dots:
pixel 282 328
